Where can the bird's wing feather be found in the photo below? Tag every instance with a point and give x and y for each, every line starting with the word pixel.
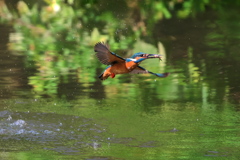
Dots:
pixel 105 56
pixel 141 70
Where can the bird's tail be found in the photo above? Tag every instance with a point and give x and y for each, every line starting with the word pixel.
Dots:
pixel 101 77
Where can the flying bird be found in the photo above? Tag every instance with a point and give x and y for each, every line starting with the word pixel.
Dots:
pixel 119 65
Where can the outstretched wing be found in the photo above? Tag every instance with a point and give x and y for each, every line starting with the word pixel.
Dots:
pixel 105 56
pixel 141 70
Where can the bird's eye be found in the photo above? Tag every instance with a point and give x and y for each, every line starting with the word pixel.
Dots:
pixel 141 55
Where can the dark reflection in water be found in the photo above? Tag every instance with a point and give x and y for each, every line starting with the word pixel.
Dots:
pixel 13 77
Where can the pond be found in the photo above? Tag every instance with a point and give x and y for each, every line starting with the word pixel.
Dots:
pixel 53 106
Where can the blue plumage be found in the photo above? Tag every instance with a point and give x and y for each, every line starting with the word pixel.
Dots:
pixel 139 54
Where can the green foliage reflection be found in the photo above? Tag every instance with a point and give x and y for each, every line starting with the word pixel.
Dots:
pixel 57 37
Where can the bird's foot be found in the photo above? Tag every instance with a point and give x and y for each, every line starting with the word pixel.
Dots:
pixel 112 75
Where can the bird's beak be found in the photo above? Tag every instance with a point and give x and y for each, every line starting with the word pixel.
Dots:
pixel 154 56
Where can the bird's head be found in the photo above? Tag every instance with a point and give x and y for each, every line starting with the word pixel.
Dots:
pixel 145 55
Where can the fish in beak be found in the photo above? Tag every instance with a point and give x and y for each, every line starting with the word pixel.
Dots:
pixel 154 56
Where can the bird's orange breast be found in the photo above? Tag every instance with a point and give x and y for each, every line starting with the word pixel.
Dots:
pixel 125 67
pixel 131 65
pixel 119 68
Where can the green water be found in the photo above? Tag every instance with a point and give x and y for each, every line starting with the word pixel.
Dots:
pixel 53 106
pixel 114 129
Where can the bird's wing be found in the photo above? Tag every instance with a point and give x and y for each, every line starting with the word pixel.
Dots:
pixel 141 70
pixel 105 56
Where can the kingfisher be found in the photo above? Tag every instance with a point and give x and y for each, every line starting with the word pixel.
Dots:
pixel 119 65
